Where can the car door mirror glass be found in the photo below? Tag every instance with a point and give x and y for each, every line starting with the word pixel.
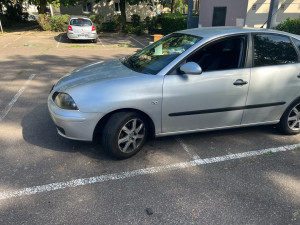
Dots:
pixel 191 68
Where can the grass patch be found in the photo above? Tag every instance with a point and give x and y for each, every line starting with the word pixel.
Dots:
pixel 20 72
pixel 298 148
pixel 125 45
pixel 270 153
pixel 81 46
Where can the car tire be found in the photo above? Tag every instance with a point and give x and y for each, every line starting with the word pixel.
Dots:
pixel 290 120
pixel 125 134
pixel 95 40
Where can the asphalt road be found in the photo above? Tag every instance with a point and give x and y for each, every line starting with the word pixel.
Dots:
pixel 219 177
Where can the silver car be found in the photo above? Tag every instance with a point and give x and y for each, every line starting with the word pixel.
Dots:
pixel 81 28
pixel 189 81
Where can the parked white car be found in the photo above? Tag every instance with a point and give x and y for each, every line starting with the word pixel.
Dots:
pixel 81 28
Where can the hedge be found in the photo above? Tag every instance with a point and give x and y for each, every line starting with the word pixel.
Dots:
pixel 53 23
pixel 291 26
pixel 172 22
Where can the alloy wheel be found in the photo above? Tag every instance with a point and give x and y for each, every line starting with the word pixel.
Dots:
pixel 294 118
pixel 131 135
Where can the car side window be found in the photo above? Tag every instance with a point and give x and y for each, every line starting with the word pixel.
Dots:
pixel 272 49
pixel 221 55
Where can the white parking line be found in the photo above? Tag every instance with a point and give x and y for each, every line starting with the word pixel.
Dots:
pixel 12 41
pixel 58 42
pixel 189 151
pixel 101 42
pixel 140 172
pixel 15 98
pixel 137 41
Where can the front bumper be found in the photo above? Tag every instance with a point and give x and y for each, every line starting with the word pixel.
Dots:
pixel 73 124
pixel 85 36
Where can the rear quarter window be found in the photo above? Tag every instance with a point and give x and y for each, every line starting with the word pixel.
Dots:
pixel 272 49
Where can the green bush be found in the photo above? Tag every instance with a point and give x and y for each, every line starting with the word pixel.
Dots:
pixel 172 22
pixel 131 29
pixel 291 26
pixel 135 19
pixel 97 21
pixel 54 23
pixel 115 24
pixel 151 23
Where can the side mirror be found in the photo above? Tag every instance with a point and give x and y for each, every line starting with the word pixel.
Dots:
pixel 191 68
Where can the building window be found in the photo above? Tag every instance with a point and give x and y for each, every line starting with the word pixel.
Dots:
pixel 117 7
pixel 254 7
pixel 87 7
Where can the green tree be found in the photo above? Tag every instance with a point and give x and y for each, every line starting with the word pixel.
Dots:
pixel 41 4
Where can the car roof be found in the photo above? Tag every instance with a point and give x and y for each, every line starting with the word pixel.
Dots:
pixel 81 17
pixel 209 32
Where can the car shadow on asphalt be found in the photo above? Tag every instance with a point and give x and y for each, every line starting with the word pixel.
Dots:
pixel 38 129
pixel 62 38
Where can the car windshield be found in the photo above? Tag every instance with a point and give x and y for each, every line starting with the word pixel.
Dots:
pixel 80 22
pixel 156 56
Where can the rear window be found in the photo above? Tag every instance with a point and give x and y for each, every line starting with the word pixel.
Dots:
pixel 80 22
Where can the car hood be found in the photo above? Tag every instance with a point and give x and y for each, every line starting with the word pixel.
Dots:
pixel 93 72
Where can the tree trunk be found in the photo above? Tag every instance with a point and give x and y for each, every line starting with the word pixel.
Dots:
pixel 123 10
pixel 173 6
pixel 42 6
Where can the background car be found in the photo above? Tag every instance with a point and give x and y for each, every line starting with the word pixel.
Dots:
pixel 81 28
pixel 189 81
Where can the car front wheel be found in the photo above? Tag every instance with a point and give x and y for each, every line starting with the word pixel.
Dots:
pixel 290 120
pixel 124 134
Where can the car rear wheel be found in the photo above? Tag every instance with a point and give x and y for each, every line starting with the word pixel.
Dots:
pixel 290 120
pixel 124 134
pixel 95 40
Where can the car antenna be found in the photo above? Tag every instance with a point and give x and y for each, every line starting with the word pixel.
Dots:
pixel 269 18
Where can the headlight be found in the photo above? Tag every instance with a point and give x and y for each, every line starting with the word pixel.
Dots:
pixel 64 101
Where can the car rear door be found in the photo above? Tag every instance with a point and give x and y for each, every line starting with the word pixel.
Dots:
pixel 213 99
pixel 275 80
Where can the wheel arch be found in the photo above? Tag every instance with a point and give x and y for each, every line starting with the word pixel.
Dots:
pixel 101 123
pixel 291 103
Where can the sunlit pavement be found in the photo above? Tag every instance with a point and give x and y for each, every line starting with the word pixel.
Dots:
pixel 218 177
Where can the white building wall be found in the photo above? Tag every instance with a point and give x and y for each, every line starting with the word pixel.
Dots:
pixel 258 10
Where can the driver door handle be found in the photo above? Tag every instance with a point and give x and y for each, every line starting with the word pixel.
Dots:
pixel 240 82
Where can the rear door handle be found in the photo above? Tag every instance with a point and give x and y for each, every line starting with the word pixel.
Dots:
pixel 240 82
pixel 298 75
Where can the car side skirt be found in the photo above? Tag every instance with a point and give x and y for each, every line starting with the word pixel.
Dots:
pixel 216 128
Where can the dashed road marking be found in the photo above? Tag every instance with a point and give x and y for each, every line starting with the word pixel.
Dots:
pixel 140 172
pixel 58 42
pixel 101 42
pixel 12 41
pixel 189 151
pixel 15 98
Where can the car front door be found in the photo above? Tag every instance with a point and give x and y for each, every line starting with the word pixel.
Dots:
pixel 213 99
pixel 275 79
